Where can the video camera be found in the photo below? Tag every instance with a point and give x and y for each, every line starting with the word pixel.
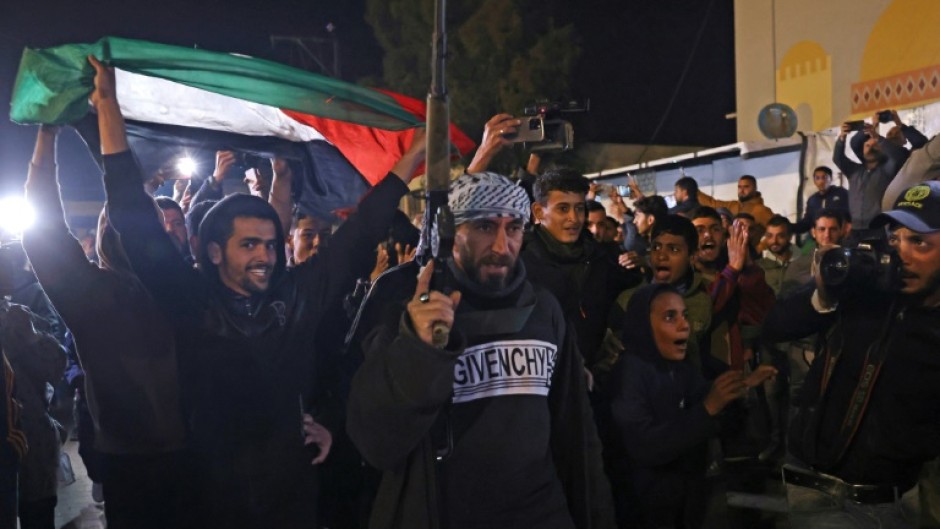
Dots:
pixel 559 133
pixel 870 265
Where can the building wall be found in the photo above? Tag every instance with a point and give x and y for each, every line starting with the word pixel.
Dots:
pixel 836 59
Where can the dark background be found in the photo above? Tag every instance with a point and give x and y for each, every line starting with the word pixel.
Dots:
pixel 633 55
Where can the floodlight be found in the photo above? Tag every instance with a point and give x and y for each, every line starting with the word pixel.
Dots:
pixel 16 215
pixel 186 166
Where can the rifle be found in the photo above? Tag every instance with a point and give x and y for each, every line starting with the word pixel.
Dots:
pixel 437 235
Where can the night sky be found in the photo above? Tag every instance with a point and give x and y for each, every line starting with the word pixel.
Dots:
pixel 633 55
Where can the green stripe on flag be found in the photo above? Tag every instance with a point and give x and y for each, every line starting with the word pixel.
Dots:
pixel 53 84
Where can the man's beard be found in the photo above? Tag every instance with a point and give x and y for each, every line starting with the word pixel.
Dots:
pixel 930 289
pixel 493 281
pixel 781 252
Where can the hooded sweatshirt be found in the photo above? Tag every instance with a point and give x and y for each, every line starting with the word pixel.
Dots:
pixel 659 413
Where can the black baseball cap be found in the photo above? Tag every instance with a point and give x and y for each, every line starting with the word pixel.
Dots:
pixel 918 209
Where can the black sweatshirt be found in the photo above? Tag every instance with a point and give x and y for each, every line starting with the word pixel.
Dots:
pixel 525 452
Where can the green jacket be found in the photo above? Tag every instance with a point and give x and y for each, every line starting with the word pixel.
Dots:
pixel 784 277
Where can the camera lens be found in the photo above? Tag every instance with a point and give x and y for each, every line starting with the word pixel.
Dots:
pixel 834 266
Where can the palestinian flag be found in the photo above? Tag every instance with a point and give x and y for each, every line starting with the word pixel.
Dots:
pixel 192 102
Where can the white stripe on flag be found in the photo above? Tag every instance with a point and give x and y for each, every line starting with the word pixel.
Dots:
pixel 155 100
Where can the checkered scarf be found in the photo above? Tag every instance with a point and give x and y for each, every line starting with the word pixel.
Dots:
pixel 487 195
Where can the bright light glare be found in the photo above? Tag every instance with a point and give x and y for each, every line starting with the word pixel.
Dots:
pixel 186 166
pixel 16 215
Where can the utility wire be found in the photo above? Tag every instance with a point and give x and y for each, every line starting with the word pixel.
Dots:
pixel 675 93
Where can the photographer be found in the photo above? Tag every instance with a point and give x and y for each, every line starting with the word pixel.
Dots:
pixel 869 407
pixel 881 160
pixel 899 135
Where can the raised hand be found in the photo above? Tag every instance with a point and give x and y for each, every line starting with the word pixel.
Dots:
pixel 760 375
pixel 429 307
pixel 737 246
pixel 494 140
pixel 105 86
pixel 381 262
pixel 405 254
pixel 727 387
pixel 224 160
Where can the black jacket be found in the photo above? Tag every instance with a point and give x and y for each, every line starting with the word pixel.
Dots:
pixel 125 344
pixel 835 197
pixel 662 423
pixel 685 207
pixel 515 454
pixel 585 286
pixel 901 425
pixel 248 364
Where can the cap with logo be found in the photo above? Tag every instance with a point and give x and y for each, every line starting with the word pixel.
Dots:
pixel 918 209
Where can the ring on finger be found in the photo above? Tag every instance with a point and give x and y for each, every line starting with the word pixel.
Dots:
pixel 425 297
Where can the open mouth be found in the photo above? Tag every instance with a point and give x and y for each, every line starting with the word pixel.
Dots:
pixel 709 245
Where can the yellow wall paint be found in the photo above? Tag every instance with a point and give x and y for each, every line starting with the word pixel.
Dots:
pixel 804 81
pixel 904 38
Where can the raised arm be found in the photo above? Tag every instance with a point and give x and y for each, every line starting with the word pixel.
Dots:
pixel 211 188
pixel 133 214
pixel 493 141
pixel 56 256
pixel 280 197
pixel 710 201
pixel 332 272
pixel 896 155
pixel 848 167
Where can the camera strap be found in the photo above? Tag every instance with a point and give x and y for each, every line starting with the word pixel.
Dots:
pixel 874 360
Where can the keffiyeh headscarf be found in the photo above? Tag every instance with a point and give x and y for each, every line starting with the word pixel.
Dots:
pixel 487 195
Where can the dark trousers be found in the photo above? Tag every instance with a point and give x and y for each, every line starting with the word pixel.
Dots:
pixel 38 514
pixel 152 491
pixel 242 502
pixel 8 481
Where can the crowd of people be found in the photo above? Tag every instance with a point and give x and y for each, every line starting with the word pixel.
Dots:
pixel 240 363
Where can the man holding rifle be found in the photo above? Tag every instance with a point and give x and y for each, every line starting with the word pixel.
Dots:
pixel 493 429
